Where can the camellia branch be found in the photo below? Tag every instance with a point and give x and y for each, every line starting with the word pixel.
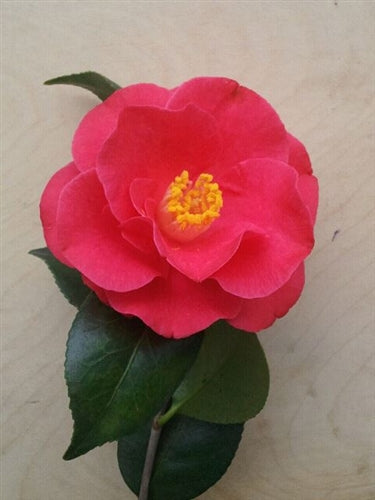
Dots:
pixel 202 371
pixel 150 456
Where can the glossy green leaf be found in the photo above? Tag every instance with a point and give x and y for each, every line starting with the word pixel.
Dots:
pixel 67 279
pixel 229 380
pixel 119 374
pixel 89 80
pixel 191 456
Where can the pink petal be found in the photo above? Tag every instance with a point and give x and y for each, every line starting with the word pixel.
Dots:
pixel 48 207
pixel 307 183
pixel 157 144
pixel 196 259
pixel 200 258
pixel 309 190
pixel 250 127
pixel 298 156
pixel 100 292
pixel 91 240
pixel 263 192
pixel 141 191
pixel 138 231
pixel 100 122
pixel 177 307
pixel 257 314
pixel 205 92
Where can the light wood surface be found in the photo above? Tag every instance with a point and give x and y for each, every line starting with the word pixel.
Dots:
pixel 314 61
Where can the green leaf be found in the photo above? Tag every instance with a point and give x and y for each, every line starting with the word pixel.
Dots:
pixel 229 380
pixel 191 456
pixel 119 374
pixel 89 80
pixel 67 279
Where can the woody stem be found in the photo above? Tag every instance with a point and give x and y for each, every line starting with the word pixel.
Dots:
pixel 150 457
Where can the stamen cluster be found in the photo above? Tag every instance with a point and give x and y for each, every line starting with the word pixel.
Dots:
pixel 194 204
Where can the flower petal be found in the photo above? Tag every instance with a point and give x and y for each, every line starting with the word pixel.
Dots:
pixel 298 156
pixel 100 292
pixel 258 314
pixel 200 258
pixel 307 183
pixel 48 207
pixel 142 191
pixel 205 92
pixel 264 193
pixel 309 190
pixel 90 238
pixel 196 259
pixel 100 122
pixel 250 127
pixel 156 144
pixel 138 231
pixel 177 307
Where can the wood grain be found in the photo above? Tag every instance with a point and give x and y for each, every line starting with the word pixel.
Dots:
pixel 314 61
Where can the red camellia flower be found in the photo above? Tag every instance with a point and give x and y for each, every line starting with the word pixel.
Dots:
pixel 185 206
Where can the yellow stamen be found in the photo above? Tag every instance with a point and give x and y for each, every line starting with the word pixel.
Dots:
pixel 190 208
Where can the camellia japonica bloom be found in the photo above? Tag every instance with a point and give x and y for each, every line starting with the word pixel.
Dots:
pixel 185 206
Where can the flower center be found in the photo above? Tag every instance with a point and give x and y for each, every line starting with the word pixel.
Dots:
pixel 189 209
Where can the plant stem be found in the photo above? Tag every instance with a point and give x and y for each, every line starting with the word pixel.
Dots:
pixel 164 417
pixel 150 457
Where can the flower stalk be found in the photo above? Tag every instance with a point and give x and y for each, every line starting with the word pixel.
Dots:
pixel 152 447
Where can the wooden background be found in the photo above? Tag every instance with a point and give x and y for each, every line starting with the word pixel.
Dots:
pixel 314 61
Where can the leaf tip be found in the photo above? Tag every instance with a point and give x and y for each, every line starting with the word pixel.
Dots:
pixel 36 252
pixel 70 454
